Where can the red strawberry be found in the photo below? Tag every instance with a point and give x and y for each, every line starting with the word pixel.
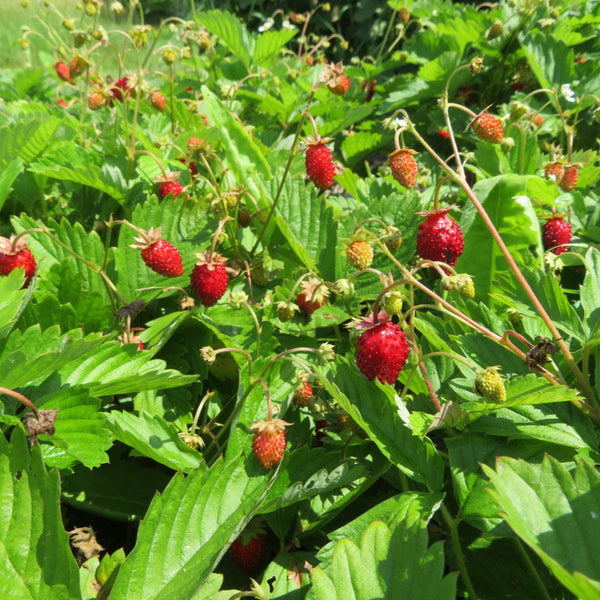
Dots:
pixel 555 233
pixel 488 128
pixel 320 425
pixel 268 443
pixel 158 254
pixel 382 349
pixel 319 165
pixel 569 179
pixel 169 184
pixel 404 167
pixel 209 278
pixel 16 255
pixel 158 101
pixel 120 88
pixel 336 79
pixel 62 103
pixel 312 296
pixel 303 394
pixel 195 144
pixel 554 170
pixel 360 254
pixel 63 71
pixel 248 550
pixel 439 237
pixel 97 99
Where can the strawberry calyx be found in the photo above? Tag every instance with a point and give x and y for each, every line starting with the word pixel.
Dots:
pixel 371 320
pixel 210 259
pixel 12 245
pixel 270 426
pixel 314 290
pixel 145 239
pixel 436 211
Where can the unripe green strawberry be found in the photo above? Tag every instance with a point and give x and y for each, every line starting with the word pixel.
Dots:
pixel 77 66
pixel 488 128
pixel 569 179
pixel 489 384
pixel 556 233
pixel 495 30
pixel 404 167
pixel 268 443
pixel 392 303
pixel 319 165
pixel 286 310
pixel 465 286
pixel 303 394
pixel 360 254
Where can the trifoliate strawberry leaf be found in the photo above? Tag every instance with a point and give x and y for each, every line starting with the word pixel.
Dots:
pixel 187 530
pixel 389 562
pixel 231 31
pixel 35 558
pixel 269 43
pixel 549 58
pixel 373 406
pixel 554 512
pixel 155 438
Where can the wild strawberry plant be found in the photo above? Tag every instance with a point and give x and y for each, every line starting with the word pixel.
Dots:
pixel 331 325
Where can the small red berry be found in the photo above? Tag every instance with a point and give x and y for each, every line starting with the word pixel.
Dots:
pixel 570 177
pixel 268 443
pixel 404 167
pixel 319 165
pixel 439 237
pixel 63 71
pixel 169 184
pixel 158 254
pixel 158 101
pixel 303 394
pixel 16 256
pixel 360 254
pixel 312 296
pixel 248 550
pixel 209 278
pixel 554 170
pixel 97 99
pixel 120 88
pixel 488 128
pixel 556 233
pixel 382 349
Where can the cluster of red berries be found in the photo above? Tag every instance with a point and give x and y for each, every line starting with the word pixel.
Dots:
pixel 566 175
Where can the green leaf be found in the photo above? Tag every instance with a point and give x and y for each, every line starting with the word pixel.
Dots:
pixel 35 557
pixel 80 432
pixel 287 576
pixel 26 139
pixel 12 298
pixel 269 43
pixel 374 407
pixel 231 31
pixel 155 438
pixel 590 289
pixel 243 156
pixel 187 530
pixel 8 173
pixel 556 514
pixel 550 59
pixel 389 563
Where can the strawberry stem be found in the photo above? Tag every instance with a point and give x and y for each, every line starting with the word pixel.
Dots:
pixel 23 399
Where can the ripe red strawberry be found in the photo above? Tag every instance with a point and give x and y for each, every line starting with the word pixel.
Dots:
pixel 336 79
pixel 268 443
pixel 63 71
pixel 248 550
pixel 439 237
pixel 312 296
pixel 120 88
pixel 16 255
pixel 488 128
pixel 556 232
pixel 209 278
pixel 319 164
pixel 303 394
pixel 554 170
pixel 404 167
pixel 569 179
pixel 320 425
pixel 97 99
pixel 169 184
pixel 382 349
pixel 158 254
pixel 360 254
pixel 158 101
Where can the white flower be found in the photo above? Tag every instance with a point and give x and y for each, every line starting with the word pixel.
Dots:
pixel 400 123
pixel 567 92
pixel 266 25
